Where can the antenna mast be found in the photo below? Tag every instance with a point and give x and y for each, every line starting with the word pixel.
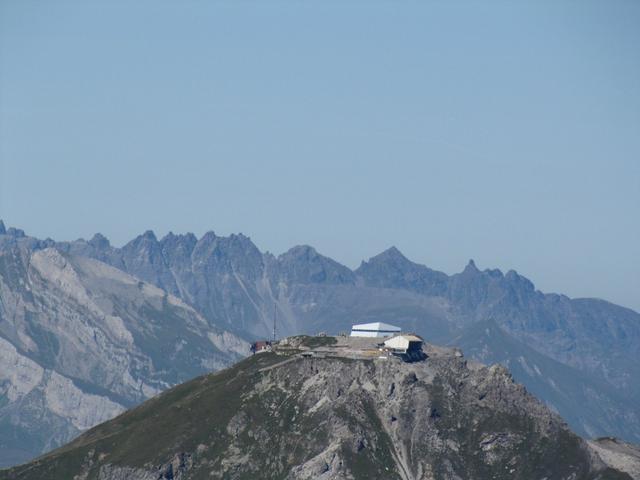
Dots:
pixel 275 311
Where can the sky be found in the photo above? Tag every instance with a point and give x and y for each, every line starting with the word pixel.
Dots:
pixel 504 131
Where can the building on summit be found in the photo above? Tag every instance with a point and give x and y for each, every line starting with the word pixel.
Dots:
pixel 376 329
pixel 404 343
pixel 407 347
pixel 260 346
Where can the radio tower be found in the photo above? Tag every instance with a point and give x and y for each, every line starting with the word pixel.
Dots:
pixel 274 321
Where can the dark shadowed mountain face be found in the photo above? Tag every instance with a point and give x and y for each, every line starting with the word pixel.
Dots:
pixel 236 289
pixel 295 418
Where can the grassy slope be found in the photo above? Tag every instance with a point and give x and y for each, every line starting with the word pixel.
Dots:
pixel 151 432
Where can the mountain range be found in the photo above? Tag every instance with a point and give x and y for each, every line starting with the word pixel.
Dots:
pixel 114 326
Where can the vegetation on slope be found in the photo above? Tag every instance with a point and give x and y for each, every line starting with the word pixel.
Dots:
pixel 275 417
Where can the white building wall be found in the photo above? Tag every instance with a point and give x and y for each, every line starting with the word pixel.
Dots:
pixel 398 343
pixel 355 333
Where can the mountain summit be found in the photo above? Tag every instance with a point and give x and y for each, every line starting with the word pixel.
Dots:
pixel 314 409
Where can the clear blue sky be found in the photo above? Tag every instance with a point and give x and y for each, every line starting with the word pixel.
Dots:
pixel 507 131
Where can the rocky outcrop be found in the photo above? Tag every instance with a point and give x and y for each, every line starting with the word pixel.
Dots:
pixel 176 469
pixel 618 454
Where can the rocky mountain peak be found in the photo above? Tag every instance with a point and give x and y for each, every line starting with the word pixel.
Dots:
pixel 236 255
pixel 494 272
pixel 515 278
pixel 99 241
pixel 15 232
pixel 391 269
pixel 389 259
pixel 300 251
pixel 390 255
pixel 206 241
pixel 243 242
pixel 141 242
pixel 181 245
pixel 303 264
pixel 237 243
pixel 208 236
pixel 150 236
pixel 179 238
pixel 471 268
pixel 240 237
pixel 3 230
